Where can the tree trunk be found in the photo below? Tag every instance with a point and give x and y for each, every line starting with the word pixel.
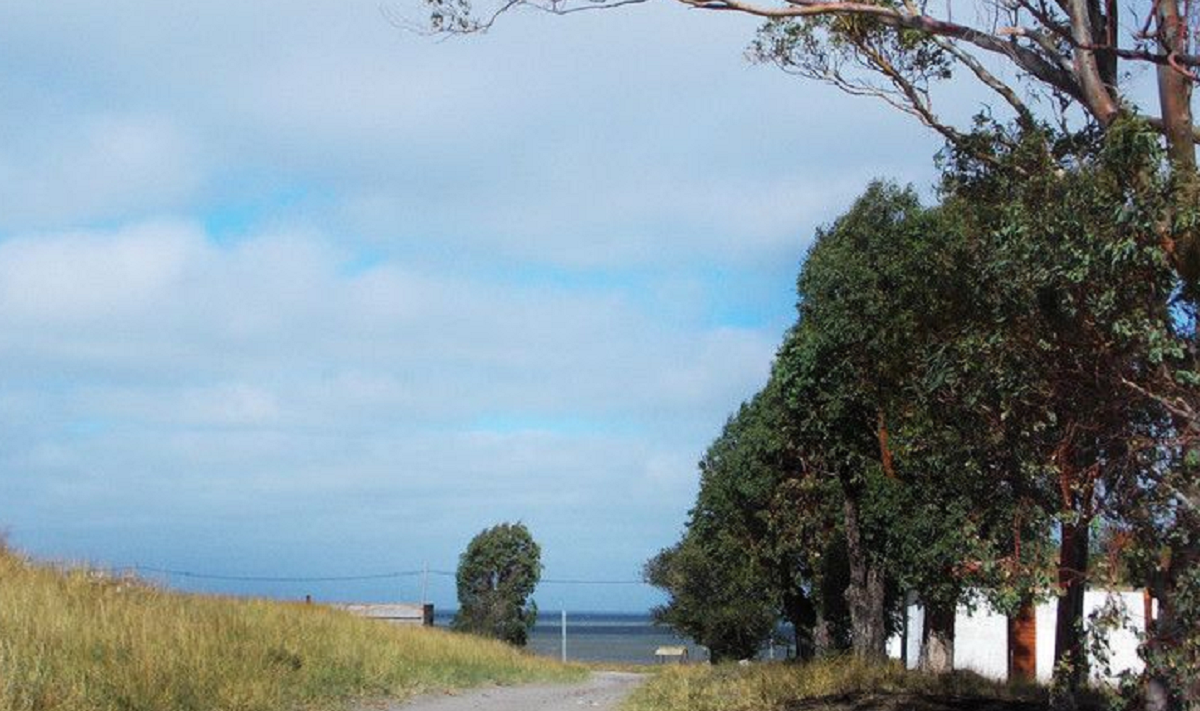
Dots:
pixel 1070 657
pixel 1175 103
pixel 1175 89
pixel 1022 643
pixel 937 638
pixel 802 613
pixel 823 644
pixel 865 594
pixel 1096 96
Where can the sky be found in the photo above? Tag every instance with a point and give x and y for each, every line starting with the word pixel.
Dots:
pixel 287 290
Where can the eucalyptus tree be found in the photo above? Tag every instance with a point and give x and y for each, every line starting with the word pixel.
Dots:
pixel 748 503
pixel 718 596
pixel 881 292
pixel 751 488
pixel 1044 61
pixel 1081 290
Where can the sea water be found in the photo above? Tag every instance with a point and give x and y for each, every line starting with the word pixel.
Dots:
pixel 617 637
pixel 600 637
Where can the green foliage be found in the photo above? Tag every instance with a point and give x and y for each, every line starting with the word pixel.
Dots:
pixel 883 291
pixel 735 571
pixel 757 530
pixel 1087 348
pixel 719 596
pixel 963 380
pixel 496 575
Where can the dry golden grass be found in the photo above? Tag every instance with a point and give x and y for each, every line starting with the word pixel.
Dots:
pixel 75 640
pixel 778 686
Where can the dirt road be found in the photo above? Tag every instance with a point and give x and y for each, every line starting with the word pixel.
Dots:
pixel 602 692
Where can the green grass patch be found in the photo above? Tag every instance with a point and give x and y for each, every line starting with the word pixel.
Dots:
pixel 842 683
pixel 76 640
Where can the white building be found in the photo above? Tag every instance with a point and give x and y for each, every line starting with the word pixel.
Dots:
pixel 981 637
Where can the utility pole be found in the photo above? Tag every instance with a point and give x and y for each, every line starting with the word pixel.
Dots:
pixel 564 633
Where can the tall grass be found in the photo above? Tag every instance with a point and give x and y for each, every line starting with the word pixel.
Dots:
pixel 74 639
pixel 772 687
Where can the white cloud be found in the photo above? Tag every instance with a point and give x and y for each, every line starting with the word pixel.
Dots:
pixel 93 167
pixel 153 369
pixel 89 277
pixel 441 284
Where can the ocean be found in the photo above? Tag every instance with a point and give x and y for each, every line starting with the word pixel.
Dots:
pixel 599 637
pixel 603 637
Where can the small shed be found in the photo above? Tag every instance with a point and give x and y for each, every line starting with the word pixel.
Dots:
pixel 396 613
pixel 673 653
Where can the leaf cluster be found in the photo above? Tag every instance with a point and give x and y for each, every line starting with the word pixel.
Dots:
pixel 496 575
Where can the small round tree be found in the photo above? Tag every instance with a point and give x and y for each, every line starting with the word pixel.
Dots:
pixel 496 575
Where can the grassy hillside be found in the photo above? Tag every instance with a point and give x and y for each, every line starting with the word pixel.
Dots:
pixel 78 640
pixel 839 684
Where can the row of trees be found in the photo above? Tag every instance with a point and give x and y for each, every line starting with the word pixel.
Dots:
pixel 970 391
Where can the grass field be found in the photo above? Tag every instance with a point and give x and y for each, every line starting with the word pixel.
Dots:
pixel 840 684
pixel 75 639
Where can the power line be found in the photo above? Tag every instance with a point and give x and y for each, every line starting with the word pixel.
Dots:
pixel 273 578
pixel 593 582
pixel 346 578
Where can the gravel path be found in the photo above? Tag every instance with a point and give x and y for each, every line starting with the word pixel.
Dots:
pixel 602 692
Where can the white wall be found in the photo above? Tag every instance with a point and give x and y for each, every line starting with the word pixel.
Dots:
pixel 981 637
pixel 981 642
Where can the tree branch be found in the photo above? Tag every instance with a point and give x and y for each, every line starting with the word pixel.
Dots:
pixel 989 79
pixel 1027 59
pixel 1157 124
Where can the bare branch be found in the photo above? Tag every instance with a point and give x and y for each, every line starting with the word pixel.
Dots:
pixel 916 99
pixel 1142 55
pixel 1031 61
pixel 595 6
pixel 1175 406
pixel 989 79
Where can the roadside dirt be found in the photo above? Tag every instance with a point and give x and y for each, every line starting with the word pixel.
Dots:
pixel 910 702
pixel 602 692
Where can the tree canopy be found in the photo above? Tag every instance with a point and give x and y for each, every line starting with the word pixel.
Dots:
pixel 971 385
pixel 496 575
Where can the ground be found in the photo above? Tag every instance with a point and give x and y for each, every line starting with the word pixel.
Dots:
pixel 603 691
pixel 910 702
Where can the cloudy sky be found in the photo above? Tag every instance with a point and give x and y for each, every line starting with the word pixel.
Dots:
pixel 286 290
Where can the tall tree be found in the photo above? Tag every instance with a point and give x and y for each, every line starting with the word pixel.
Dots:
pixel 843 370
pixel 751 488
pixel 496 575
pixel 1080 289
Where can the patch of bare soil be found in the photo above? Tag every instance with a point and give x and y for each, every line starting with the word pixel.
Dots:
pixel 911 702
pixel 602 692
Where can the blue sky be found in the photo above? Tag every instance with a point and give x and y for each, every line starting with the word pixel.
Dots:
pixel 286 290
